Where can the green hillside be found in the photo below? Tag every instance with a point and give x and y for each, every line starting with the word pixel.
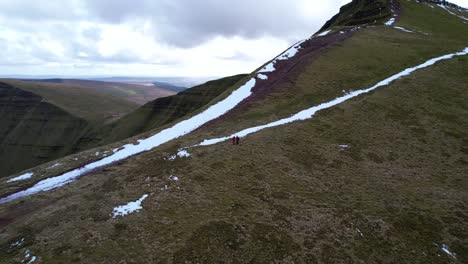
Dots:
pixel 379 178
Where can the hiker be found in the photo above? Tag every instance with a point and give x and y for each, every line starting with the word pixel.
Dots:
pixel 237 140
pixel 234 140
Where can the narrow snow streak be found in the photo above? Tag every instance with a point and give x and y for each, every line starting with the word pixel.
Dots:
pixel 448 10
pixel 310 112
pixel 447 251
pixel 22 177
pixel 404 29
pixel 323 33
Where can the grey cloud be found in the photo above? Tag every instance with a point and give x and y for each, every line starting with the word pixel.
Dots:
pixel 181 23
pixel 188 23
pixel 40 10
pixel 236 56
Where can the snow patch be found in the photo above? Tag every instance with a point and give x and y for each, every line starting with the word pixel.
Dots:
pixel 129 208
pixel 390 22
pixel 18 243
pixel 262 76
pixel 324 33
pixel 446 249
pixel 310 112
pixel 181 153
pixel 28 257
pixel 173 178
pixel 22 177
pixel 96 154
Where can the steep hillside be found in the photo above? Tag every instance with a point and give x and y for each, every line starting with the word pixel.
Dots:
pixel 33 131
pixel 353 150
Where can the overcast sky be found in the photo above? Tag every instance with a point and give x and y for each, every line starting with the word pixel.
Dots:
pixel 153 37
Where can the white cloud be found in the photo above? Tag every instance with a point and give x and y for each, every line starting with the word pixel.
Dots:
pixel 158 38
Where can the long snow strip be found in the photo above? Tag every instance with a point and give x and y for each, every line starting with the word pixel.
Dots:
pixel 310 112
pixel 164 136
pixel 129 208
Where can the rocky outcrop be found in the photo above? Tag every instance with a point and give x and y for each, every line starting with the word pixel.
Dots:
pixel 360 12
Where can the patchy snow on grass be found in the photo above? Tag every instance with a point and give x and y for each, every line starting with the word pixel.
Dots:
pixel 446 249
pixel 324 33
pixel 55 165
pixel 96 154
pixel 173 178
pixel 28 257
pixel 289 53
pixel 390 22
pixel 18 243
pixel 448 10
pixel 344 146
pixel 359 231
pixel 166 135
pixel 183 153
pixel 310 112
pixel 129 208
pixel 262 76
pixel 404 29
pixel 22 177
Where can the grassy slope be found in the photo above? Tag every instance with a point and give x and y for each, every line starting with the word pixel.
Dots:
pixel 291 193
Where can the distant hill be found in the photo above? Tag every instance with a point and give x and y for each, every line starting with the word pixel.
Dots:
pixel 97 100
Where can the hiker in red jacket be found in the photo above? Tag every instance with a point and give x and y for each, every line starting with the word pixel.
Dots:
pixel 233 140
